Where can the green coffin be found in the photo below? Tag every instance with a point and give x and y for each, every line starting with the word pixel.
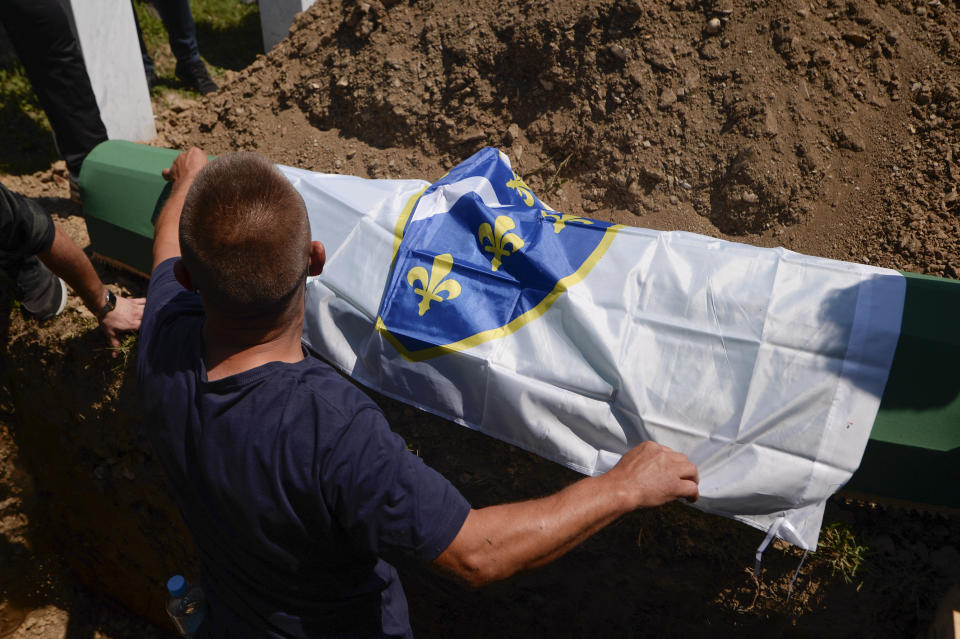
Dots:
pixel 121 186
pixel 914 449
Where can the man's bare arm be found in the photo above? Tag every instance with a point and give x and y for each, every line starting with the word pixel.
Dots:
pixel 68 260
pixel 498 541
pixel 166 232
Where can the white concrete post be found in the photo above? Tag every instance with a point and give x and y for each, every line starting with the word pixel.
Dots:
pixel 276 16
pixel 111 53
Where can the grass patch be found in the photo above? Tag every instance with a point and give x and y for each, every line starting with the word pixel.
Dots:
pixel 841 551
pixel 24 129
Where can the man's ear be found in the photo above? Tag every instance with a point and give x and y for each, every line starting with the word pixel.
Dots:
pixel 318 257
pixel 183 275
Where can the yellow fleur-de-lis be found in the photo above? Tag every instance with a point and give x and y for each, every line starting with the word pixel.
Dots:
pixel 560 220
pixel 498 241
pixel 431 286
pixel 522 189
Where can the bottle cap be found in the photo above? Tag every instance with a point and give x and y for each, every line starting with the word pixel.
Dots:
pixel 177 585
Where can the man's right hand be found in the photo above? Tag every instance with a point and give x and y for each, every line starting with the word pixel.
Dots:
pixel 186 165
pixel 651 475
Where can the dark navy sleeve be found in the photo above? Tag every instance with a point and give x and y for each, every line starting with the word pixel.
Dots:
pixel 165 298
pixel 388 501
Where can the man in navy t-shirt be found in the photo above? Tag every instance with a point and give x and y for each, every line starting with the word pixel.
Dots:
pixel 295 489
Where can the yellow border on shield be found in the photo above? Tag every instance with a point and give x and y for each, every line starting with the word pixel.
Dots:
pixel 502 331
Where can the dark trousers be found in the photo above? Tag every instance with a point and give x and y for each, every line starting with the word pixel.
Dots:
pixel 25 230
pixel 41 35
pixel 178 21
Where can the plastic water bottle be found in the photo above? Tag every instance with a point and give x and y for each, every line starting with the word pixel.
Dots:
pixel 185 605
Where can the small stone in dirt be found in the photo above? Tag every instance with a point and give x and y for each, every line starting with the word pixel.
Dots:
pixel 674 200
pixel 749 197
pixel 617 51
pixel 513 132
pixel 770 126
pixel 653 174
pixel 471 135
pixel 713 26
pixel 710 50
pixel 667 99
pixel 658 56
pixel 847 139
pixel 856 38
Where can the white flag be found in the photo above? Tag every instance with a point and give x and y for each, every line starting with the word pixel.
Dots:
pixel 577 339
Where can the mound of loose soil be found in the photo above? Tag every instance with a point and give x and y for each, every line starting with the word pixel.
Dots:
pixel 831 128
pixel 828 127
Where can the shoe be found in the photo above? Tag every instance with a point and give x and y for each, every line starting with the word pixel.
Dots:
pixel 152 79
pixel 196 76
pixel 49 303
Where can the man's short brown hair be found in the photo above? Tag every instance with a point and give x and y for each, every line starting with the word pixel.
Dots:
pixel 245 236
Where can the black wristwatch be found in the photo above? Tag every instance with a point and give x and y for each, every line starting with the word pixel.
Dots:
pixel 108 306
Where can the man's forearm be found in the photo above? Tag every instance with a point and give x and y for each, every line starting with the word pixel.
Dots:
pixel 498 541
pixel 67 260
pixel 509 538
pixel 166 232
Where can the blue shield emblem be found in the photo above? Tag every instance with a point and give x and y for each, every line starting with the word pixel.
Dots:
pixel 480 257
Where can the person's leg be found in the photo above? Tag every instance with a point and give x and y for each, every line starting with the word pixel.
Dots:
pixel 148 68
pixel 25 230
pixel 178 21
pixel 182 31
pixel 41 35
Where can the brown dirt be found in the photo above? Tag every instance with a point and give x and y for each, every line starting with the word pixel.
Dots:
pixel 831 128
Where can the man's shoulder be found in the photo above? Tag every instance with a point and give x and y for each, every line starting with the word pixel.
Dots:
pixel 323 384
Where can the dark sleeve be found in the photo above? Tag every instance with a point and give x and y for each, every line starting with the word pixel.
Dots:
pixel 389 502
pixel 165 298
pixel 25 227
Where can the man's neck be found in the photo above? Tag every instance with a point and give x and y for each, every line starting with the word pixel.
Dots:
pixel 230 348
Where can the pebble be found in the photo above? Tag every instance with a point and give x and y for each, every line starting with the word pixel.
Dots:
pixel 653 174
pixel 674 199
pixel 667 99
pixel 618 52
pixel 856 38
pixel 513 132
pixel 713 26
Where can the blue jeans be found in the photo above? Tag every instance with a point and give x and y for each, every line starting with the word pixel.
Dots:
pixel 178 21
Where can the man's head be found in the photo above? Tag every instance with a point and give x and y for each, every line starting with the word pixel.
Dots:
pixel 245 238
